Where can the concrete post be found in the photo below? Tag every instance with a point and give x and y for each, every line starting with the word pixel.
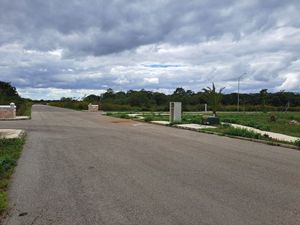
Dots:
pixel 175 112
pixel 13 109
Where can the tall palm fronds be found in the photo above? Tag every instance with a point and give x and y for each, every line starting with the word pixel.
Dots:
pixel 212 97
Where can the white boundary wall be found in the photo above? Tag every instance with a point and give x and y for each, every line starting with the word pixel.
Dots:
pixel 93 108
pixel 8 111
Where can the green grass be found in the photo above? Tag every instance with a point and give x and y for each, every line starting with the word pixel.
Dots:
pixel 240 132
pixel 192 118
pixel 226 129
pixel 27 111
pixel 263 121
pixel 297 143
pixel 10 150
pixel 155 117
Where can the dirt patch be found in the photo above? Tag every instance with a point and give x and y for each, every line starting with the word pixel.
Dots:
pixel 122 121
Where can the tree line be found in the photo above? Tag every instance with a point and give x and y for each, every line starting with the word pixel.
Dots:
pixel 143 100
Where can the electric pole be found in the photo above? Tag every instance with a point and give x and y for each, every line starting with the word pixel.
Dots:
pixel 238 95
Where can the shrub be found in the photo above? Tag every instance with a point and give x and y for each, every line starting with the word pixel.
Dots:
pixel 148 118
pixel 124 116
pixel 273 118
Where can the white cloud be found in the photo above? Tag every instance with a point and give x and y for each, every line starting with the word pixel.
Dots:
pixel 151 80
pixel 183 44
pixel 56 93
pixel 291 82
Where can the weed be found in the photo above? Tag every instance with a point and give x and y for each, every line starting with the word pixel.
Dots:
pixel 124 116
pixel 229 120
pixel 148 118
pixel 297 143
pixel 3 201
pixel 192 119
pixel 225 125
pixel 273 118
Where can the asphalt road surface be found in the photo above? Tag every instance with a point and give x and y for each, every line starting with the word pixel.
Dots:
pixel 83 168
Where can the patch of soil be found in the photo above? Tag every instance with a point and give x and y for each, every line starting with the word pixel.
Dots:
pixel 121 121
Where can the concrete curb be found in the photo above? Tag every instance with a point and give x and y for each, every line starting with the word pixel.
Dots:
pixel 17 118
pixel 12 133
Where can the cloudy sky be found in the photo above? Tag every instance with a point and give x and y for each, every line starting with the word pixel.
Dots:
pixel 55 48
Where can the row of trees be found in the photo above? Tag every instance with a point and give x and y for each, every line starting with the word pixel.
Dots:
pixel 147 100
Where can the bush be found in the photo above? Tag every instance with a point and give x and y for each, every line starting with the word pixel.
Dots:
pixel 124 116
pixel 273 118
pixel 148 118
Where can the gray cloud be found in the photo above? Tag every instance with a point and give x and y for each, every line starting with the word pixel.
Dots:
pixel 92 45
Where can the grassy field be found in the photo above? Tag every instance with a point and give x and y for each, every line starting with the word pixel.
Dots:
pixel 10 150
pixel 278 122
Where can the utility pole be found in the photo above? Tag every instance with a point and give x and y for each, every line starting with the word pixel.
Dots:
pixel 238 95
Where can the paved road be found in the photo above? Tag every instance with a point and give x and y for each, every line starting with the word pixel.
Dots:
pixel 83 168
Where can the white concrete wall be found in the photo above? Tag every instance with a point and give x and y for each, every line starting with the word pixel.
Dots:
pixel 93 108
pixel 8 111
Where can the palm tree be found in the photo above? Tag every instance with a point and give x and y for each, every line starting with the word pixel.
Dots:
pixel 212 97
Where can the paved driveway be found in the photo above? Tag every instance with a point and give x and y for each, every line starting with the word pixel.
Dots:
pixel 83 168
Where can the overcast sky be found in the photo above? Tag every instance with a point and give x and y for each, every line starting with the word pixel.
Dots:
pixel 55 48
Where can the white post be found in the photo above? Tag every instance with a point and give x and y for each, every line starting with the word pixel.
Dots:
pixel 175 112
pixel 205 107
pixel 13 109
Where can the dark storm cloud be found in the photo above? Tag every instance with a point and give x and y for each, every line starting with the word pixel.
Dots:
pixel 79 44
pixel 104 27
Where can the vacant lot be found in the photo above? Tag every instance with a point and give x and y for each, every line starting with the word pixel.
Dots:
pixel 279 122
